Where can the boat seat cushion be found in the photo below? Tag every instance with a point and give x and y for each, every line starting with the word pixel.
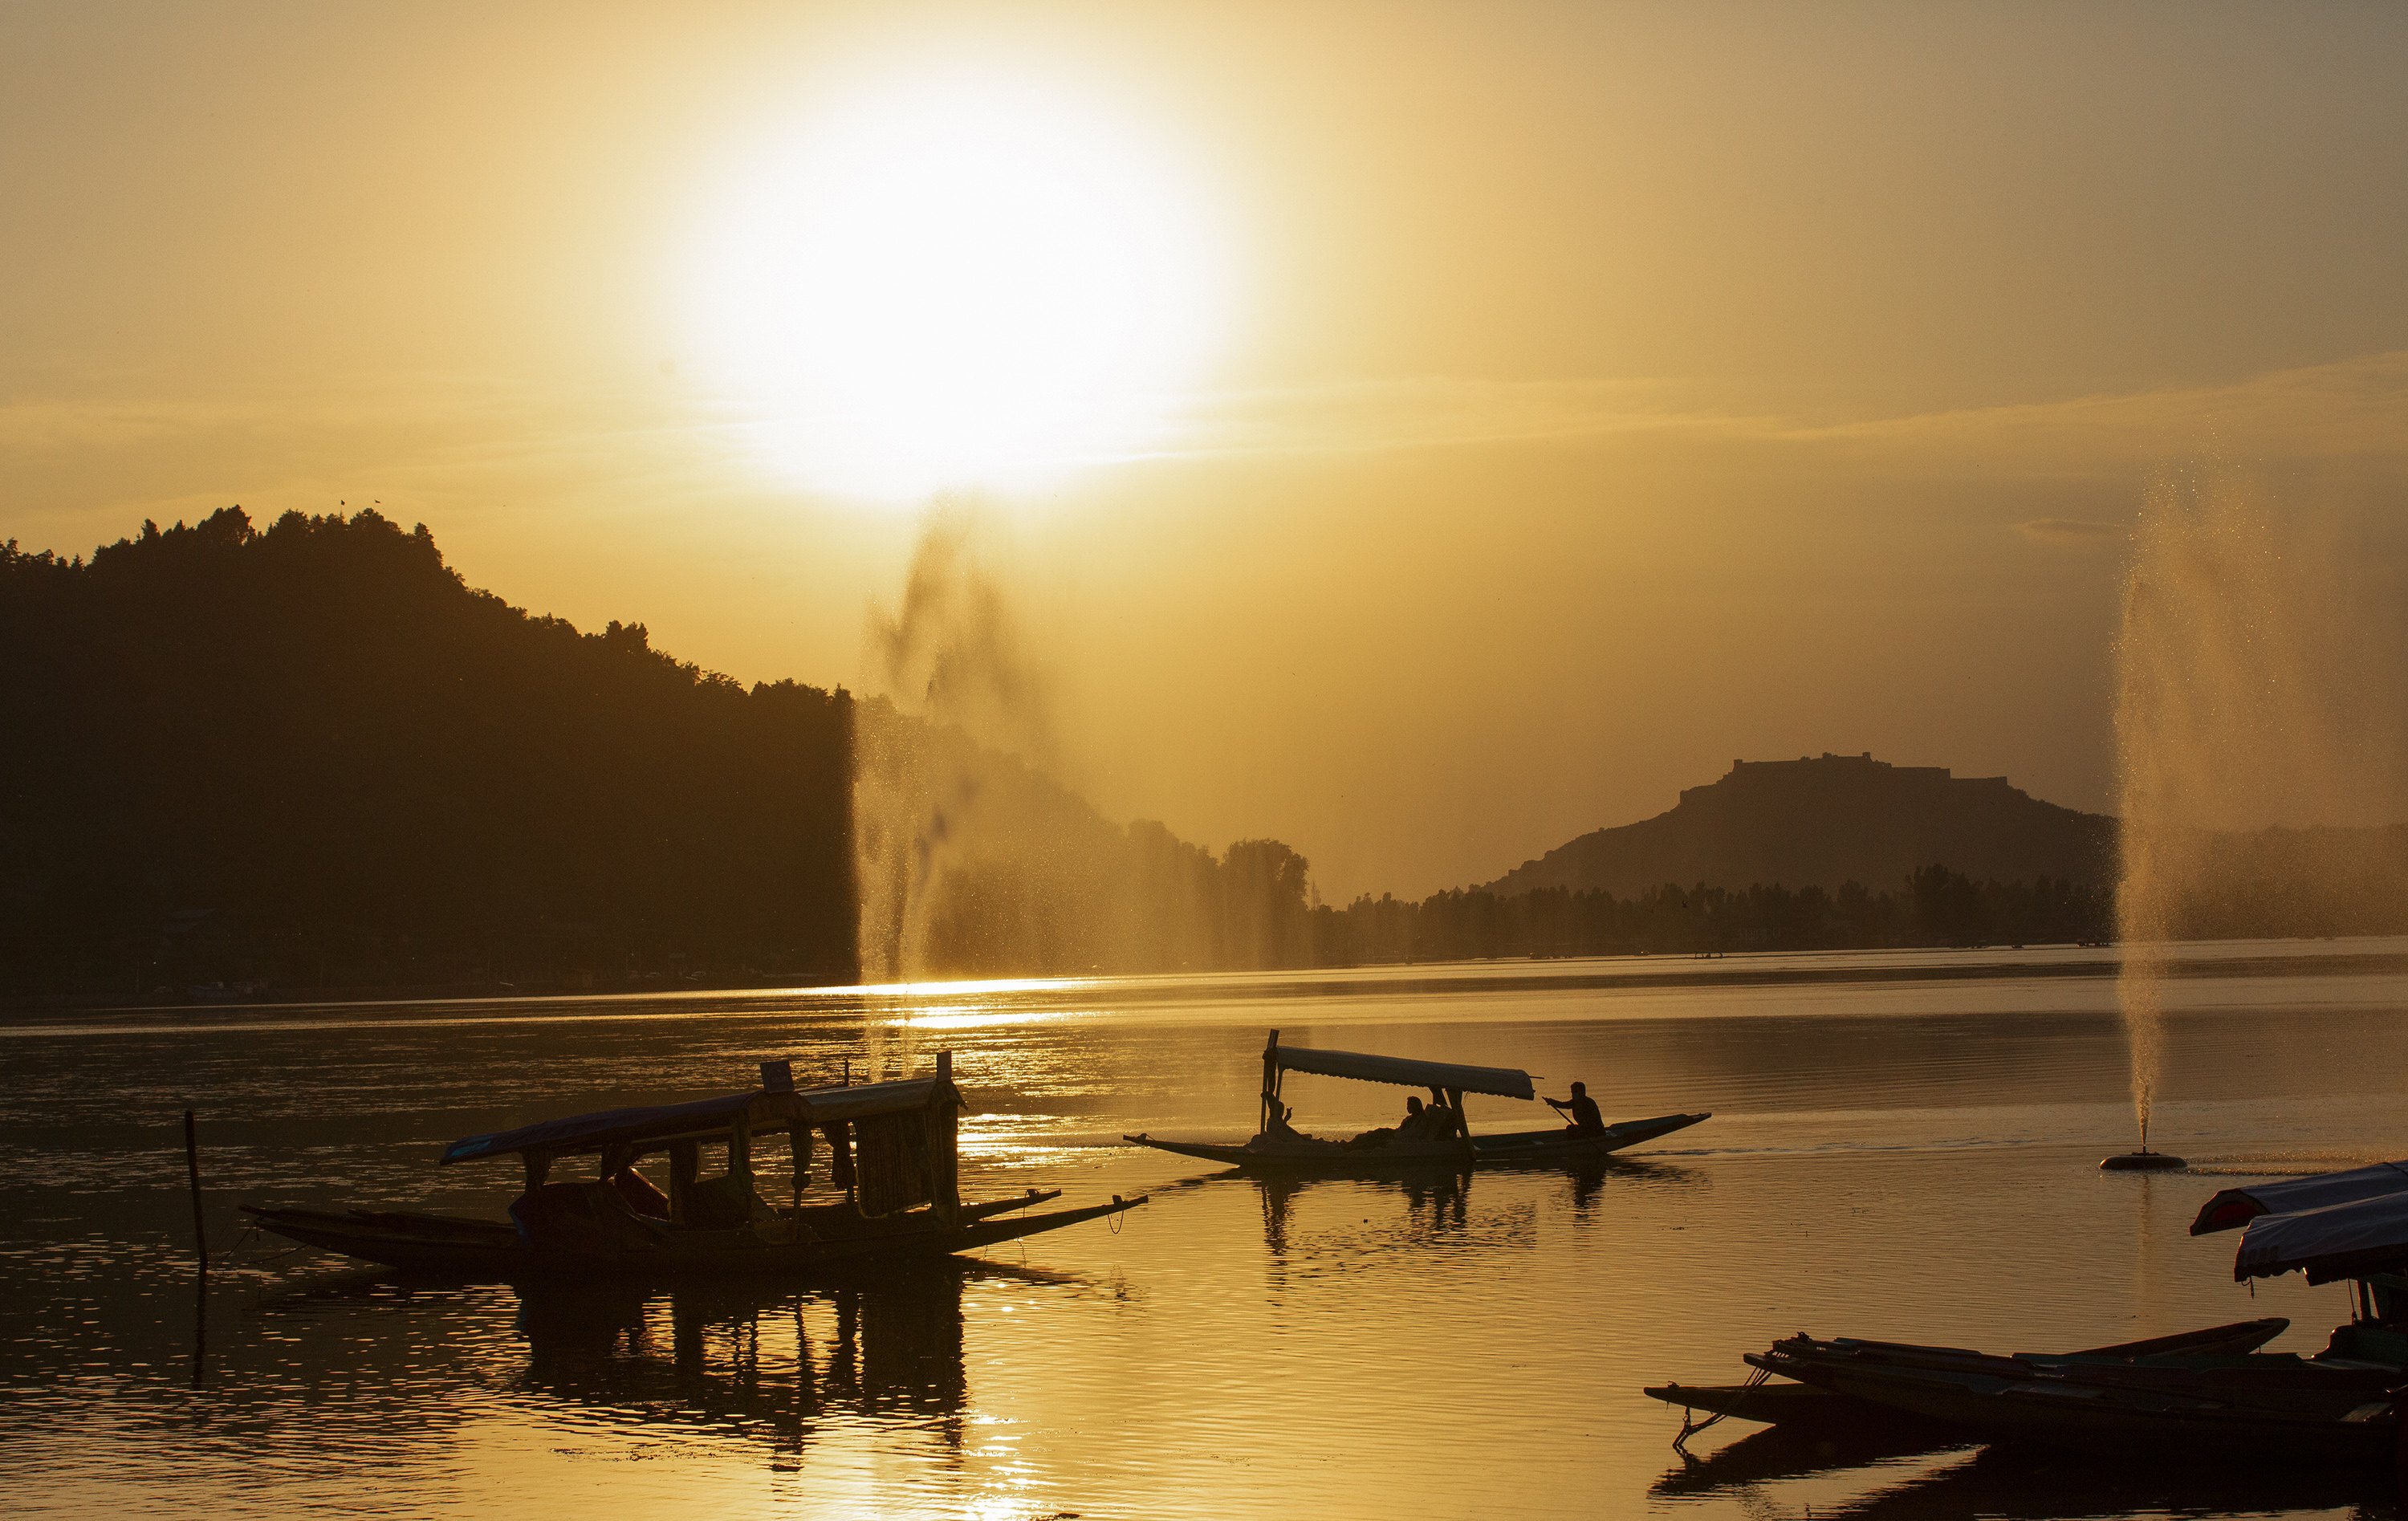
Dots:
pixel 581 1217
pixel 724 1203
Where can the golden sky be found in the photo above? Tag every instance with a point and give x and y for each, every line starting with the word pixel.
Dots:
pixel 1507 416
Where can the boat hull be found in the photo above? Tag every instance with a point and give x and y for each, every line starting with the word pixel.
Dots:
pixel 1526 1148
pixel 2248 1407
pixel 490 1252
pixel 1781 1403
pixel 1772 1404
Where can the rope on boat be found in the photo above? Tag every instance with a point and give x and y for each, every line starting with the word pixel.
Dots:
pixel 266 1254
pixel 1691 1425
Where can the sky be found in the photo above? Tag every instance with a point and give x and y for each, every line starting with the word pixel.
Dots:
pixel 1419 433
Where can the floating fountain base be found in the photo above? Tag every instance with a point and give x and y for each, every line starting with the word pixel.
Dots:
pixel 2142 1161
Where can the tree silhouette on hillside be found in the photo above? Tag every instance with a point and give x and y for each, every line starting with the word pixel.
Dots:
pixel 312 754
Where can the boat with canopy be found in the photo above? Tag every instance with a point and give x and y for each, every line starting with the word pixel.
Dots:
pixel 891 1160
pixel 1446 1142
pixel 2212 1393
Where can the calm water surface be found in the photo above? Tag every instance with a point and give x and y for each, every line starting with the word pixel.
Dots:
pixel 1904 1146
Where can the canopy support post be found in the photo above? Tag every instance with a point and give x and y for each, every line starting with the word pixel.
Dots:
pixel 798 1146
pixel 686 1166
pixel 944 1148
pixel 1271 1104
pixel 841 1173
pixel 740 1154
pixel 1462 1121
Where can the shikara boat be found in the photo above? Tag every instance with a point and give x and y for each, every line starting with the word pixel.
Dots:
pixel 891 1153
pixel 2210 1394
pixel 1277 1148
pixel 1788 1404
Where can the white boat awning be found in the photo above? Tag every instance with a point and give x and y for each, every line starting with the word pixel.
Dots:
pixel 1504 1082
pixel 2340 1241
pixel 2289 1195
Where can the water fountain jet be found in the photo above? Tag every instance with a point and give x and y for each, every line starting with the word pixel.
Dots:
pixel 2257 685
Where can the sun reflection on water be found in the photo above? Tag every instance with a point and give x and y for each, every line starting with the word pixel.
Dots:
pixel 1871 1150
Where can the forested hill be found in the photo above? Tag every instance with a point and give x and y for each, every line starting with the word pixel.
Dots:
pixel 1829 821
pixel 313 755
pixel 313 760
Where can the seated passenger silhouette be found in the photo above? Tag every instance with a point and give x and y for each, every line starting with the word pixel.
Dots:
pixel 1439 1120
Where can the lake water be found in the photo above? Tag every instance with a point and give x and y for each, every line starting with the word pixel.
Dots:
pixel 1904 1146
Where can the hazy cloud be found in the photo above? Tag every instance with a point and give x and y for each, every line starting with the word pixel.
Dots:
pixel 2073 533
pixel 425 439
pixel 2353 408
pixel 1443 412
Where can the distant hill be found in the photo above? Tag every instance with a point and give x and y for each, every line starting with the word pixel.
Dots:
pixel 1828 820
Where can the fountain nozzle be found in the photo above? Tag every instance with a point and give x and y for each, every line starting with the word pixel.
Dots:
pixel 2143 1160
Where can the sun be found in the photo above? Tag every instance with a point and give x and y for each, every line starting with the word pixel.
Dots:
pixel 955 281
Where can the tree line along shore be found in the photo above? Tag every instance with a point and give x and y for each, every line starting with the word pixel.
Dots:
pixel 310 761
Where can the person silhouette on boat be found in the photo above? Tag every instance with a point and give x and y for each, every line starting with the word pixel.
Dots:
pixel 1408 1129
pixel 1582 1110
pixel 1439 1121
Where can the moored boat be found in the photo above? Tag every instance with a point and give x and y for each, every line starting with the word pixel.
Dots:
pixel 892 1158
pixel 1277 1147
pixel 2207 1395
pixel 2251 1406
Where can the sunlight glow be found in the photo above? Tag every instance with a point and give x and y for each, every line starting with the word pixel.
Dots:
pixel 957 280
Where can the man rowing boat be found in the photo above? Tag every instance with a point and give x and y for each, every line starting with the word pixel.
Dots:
pixel 1586 1119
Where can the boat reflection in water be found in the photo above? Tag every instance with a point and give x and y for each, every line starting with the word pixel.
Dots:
pixel 1911 1479
pixel 1587 1184
pixel 1437 1202
pixel 1761 1457
pixel 1434 1204
pixel 746 1361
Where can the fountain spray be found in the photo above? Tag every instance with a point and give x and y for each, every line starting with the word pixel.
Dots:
pixel 2252 664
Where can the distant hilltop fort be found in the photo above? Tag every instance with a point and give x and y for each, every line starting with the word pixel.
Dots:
pixel 1827 769
pixel 1822 820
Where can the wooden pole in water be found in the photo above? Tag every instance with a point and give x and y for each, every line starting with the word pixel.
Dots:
pixel 193 1175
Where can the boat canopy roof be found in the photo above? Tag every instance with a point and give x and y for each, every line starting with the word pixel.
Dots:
pixel 2288 1195
pixel 1504 1082
pixel 2340 1241
pixel 761 1111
